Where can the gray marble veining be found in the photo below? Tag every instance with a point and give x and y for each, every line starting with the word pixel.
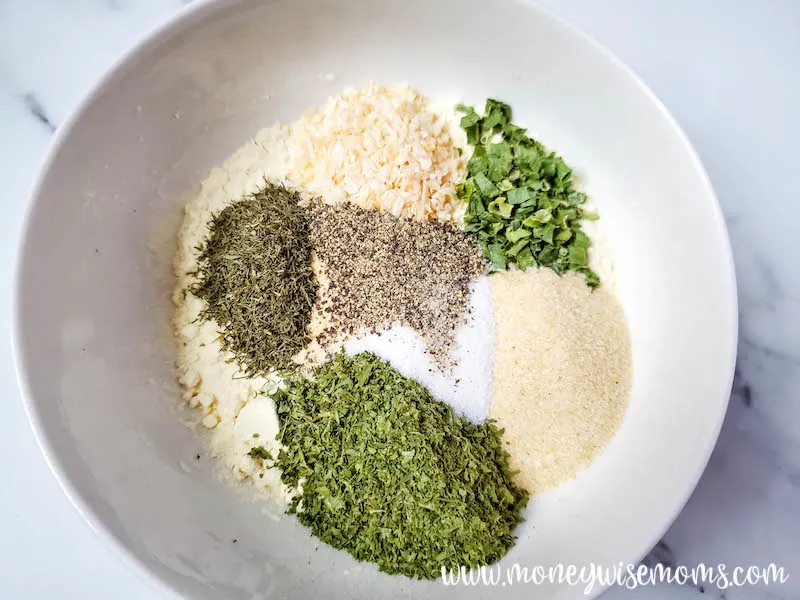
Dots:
pixel 38 112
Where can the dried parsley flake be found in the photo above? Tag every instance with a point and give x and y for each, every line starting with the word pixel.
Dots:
pixel 256 278
pixel 391 475
pixel 259 452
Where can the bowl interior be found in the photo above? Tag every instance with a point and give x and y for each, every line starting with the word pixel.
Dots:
pixel 93 338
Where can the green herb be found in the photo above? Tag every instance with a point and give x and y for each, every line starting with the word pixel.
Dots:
pixel 521 202
pixel 256 435
pixel 259 452
pixel 392 475
pixel 255 275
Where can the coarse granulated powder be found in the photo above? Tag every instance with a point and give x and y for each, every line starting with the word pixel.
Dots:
pixel 562 372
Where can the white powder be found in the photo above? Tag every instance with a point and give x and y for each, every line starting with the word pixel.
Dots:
pixel 231 407
pixel 468 386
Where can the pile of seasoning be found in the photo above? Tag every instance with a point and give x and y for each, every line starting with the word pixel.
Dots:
pixel 521 201
pixel 562 372
pixel 255 275
pixel 391 475
pixel 381 270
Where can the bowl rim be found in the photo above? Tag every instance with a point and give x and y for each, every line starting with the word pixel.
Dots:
pixel 154 35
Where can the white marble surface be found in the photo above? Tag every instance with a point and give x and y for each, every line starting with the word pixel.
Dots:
pixel 729 71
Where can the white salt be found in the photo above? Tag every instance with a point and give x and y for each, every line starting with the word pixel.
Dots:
pixel 467 387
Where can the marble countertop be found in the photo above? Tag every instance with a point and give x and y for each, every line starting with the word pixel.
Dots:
pixel 729 71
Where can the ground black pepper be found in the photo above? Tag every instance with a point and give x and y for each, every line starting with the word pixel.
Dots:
pixel 382 270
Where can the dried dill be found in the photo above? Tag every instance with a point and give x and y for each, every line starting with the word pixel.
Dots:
pixel 391 475
pixel 255 275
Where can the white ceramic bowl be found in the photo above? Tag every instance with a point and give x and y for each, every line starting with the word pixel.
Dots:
pixel 92 307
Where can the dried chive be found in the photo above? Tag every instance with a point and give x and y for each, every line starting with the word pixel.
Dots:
pixel 521 201
pixel 256 278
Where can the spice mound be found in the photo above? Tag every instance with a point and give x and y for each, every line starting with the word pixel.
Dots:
pixel 392 476
pixel 562 372
pixel 380 270
pixel 380 148
pixel 522 203
pixel 255 275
